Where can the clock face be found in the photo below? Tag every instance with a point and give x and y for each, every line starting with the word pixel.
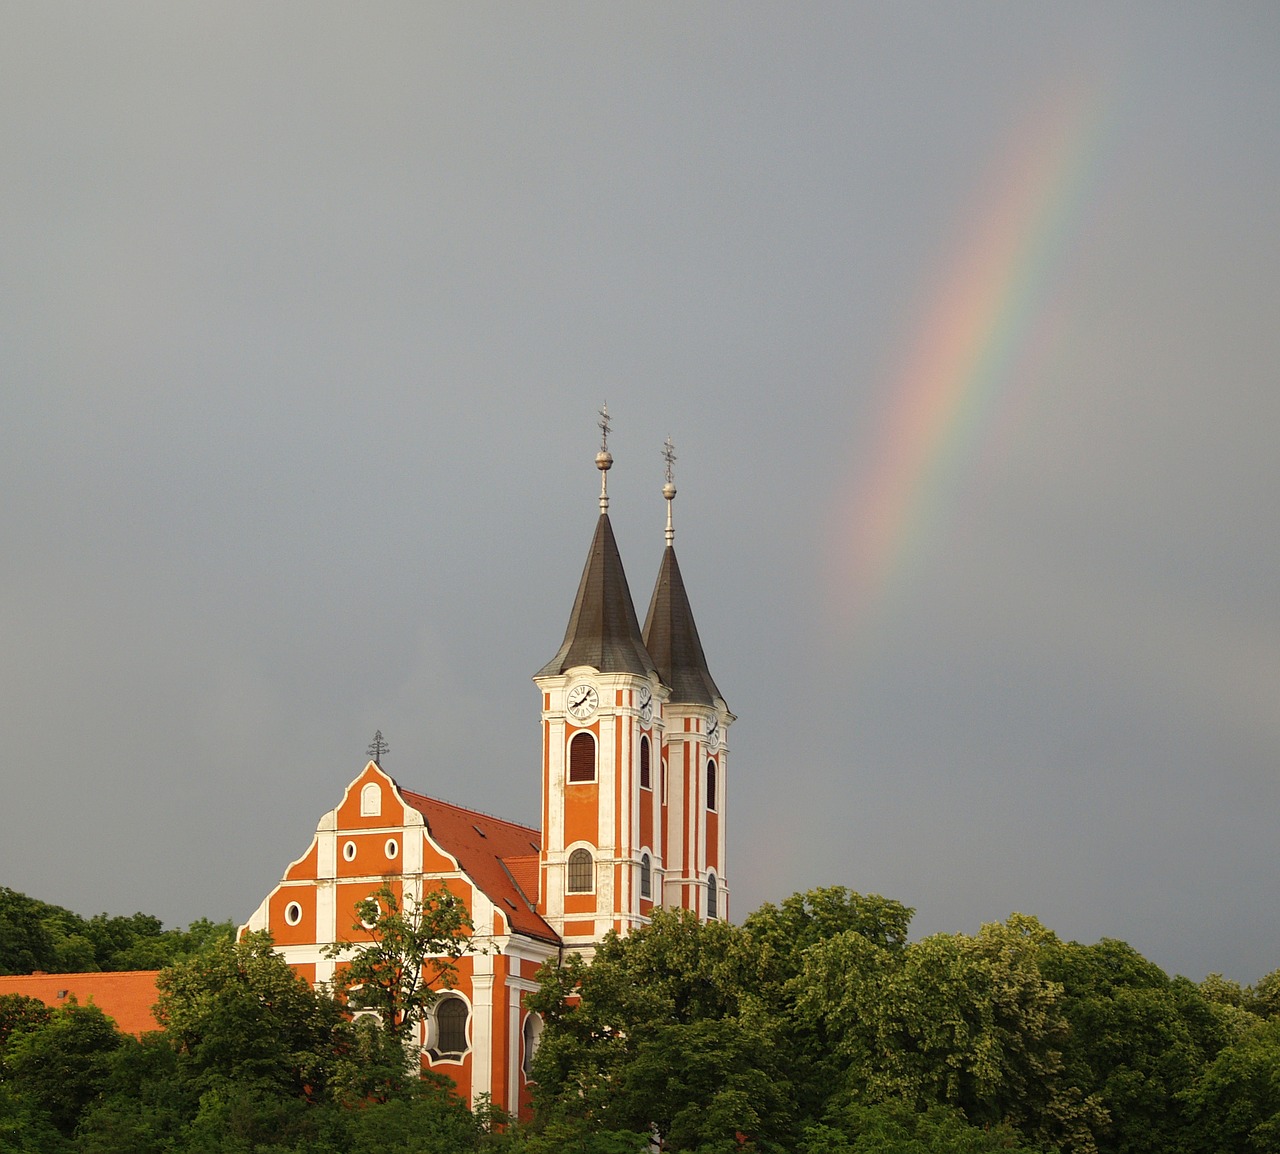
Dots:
pixel 646 704
pixel 713 733
pixel 582 701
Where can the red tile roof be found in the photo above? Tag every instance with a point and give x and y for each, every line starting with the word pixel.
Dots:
pixel 481 844
pixel 525 871
pixel 126 997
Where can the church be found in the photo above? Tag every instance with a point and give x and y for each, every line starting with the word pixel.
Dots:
pixel 634 790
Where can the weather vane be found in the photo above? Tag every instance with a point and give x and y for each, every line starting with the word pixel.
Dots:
pixel 669 489
pixel 604 459
pixel 377 747
pixel 604 427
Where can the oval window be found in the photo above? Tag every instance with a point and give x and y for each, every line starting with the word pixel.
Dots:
pixel 293 913
pixel 392 847
pixel 349 851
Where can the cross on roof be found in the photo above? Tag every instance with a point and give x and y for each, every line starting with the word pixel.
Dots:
pixel 604 427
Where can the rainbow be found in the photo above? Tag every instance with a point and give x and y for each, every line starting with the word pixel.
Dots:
pixel 961 364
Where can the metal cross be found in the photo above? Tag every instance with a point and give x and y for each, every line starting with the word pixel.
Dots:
pixel 669 455
pixel 604 427
pixel 377 747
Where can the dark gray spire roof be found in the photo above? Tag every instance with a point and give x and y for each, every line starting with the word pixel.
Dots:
pixel 672 639
pixel 603 629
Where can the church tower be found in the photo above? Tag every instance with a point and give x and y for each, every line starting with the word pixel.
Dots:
pixel 602 702
pixel 695 751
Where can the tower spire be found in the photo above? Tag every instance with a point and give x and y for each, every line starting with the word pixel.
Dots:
pixel 604 459
pixel 669 489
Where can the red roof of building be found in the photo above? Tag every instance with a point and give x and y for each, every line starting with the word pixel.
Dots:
pixel 126 997
pixel 490 851
pixel 525 871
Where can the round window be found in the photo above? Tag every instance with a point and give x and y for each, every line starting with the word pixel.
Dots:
pixel 377 913
pixel 293 913
pixel 349 851
pixel 392 847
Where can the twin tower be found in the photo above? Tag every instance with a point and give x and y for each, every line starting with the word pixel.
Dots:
pixel 634 753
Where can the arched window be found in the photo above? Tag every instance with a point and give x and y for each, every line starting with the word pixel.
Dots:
pixel 645 783
pixel 371 800
pixel 450 1034
pixel 581 871
pixel 582 757
pixel 646 876
pixel 713 903
pixel 711 785
pixel 532 1033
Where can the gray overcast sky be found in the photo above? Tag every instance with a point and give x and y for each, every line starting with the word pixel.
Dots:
pixel 963 319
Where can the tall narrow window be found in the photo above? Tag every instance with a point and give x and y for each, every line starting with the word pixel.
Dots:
pixel 712 897
pixel 582 757
pixel 581 867
pixel 532 1035
pixel 645 783
pixel 711 785
pixel 451 1016
pixel 646 876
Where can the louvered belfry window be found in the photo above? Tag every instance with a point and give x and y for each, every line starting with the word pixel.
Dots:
pixel 713 903
pixel 711 785
pixel 644 764
pixel 646 876
pixel 582 758
pixel 580 870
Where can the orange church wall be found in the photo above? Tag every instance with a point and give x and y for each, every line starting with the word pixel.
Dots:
pixel 577 929
pixel 304 932
pixel 579 903
pixel 433 861
pixel 688 806
pixel 499 1052
pixel 305 868
pixel 620 838
pixel 349 815
pixel 370 855
pixel 348 894
pixel 646 819
pixel 582 813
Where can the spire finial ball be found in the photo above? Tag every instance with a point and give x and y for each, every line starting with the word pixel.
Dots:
pixel 668 490
pixel 604 460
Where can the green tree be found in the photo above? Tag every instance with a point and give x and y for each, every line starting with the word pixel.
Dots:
pixel 60 1066
pixel 412 951
pixel 238 1012
pixel 19 1013
pixel 953 1020
pixel 25 1128
pixel 25 943
pixel 894 1128
pixel 1234 1106
pixel 781 936
pixel 1264 996
pixel 1137 1039
pixel 664 1033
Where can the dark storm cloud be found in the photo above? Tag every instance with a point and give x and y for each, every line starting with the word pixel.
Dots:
pixel 305 312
